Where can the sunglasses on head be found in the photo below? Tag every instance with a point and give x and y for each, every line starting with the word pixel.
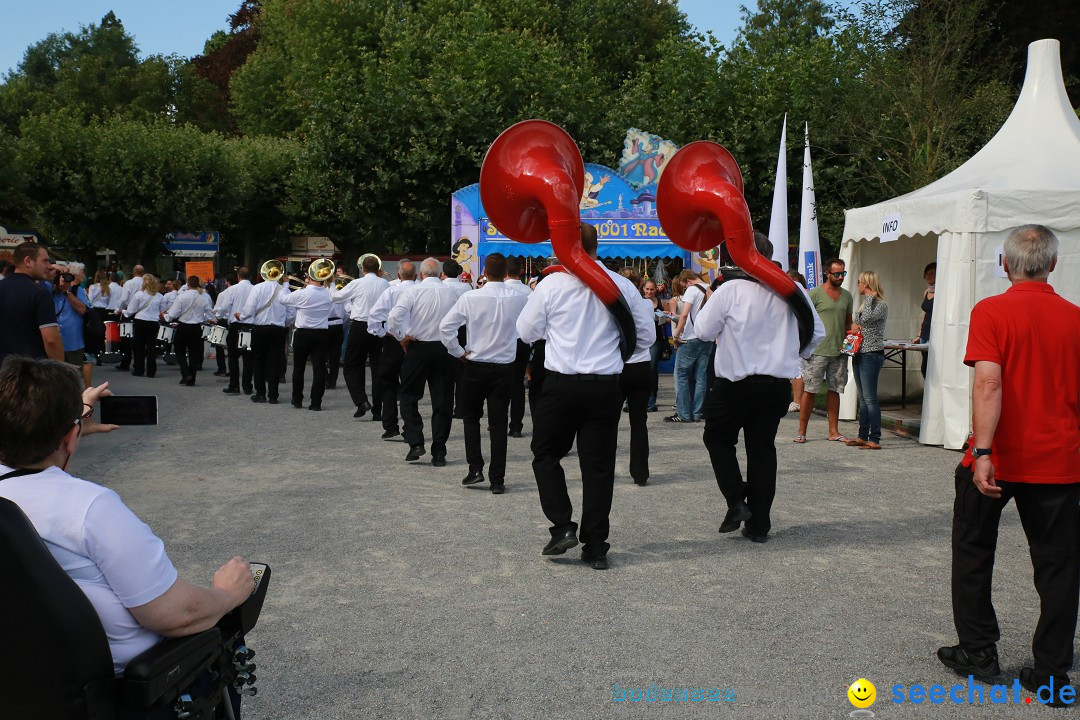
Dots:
pixel 839 274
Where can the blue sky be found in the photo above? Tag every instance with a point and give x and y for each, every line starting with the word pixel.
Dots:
pixel 182 27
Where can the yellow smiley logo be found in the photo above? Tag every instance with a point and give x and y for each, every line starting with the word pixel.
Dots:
pixel 862 693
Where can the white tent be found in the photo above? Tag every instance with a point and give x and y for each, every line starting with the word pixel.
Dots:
pixel 1029 172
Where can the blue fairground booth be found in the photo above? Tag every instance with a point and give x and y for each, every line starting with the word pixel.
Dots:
pixel 620 203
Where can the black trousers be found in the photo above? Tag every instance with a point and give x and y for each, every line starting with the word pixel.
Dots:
pixel 308 343
pixel 458 373
pixel 1049 516
pixel 517 388
pixel 755 406
pixel 362 348
pixel 390 379
pixel 144 348
pixel 266 344
pixel 188 345
pixel 219 355
pixel 636 385
pixel 585 407
pixel 335 335
pixel 427 362
pixel 491 382
pixel 235 355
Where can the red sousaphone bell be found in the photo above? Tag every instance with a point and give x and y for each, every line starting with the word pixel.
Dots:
pixel 700 204
pixel 531 184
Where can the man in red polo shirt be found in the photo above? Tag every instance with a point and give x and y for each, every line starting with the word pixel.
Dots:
pixel 1025 347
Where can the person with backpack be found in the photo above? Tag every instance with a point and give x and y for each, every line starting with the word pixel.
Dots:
pixel 692 356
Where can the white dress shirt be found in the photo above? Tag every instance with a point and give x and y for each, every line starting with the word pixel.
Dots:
pixel 457 286
pixel 360 294
pixel 98 299
pixel 755 331
pixel 338 313
pixel 582 336
pixel 419 310
pixel 167 298
pixel 490 318
pixel 312 306
pixel 263 305
pixel 643 354
pixel 232 299
pixel 517 286
pixel 190 308
pixel 115 293
pixel 128 291
pixel 145 307
pixel 380 311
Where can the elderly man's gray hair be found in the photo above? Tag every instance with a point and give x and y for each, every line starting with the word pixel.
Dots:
pixel 430 268
pixel 1030 251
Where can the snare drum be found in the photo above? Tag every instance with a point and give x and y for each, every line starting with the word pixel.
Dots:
pixel 218 335
pixel 206 331
pixel 165 333
pixel 112 331
pixel 243 340
pixel 127 329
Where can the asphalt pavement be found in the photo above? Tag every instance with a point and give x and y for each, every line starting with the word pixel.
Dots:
pixel 399 593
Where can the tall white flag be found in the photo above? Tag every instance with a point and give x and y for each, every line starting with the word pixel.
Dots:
pixel 809 244
pixel 778 225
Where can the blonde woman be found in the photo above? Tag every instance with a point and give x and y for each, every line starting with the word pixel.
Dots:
pixel 145 307
pixel 870 319
pixel 100 292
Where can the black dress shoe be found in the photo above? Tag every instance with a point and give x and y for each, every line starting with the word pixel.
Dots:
pixel 596 563
pixel 221 373
pixel 514 434
pixel 439 461
pixel 298 404
pixel 497 488
pixel 391 433
pixel 753 537
pixel 272 401
pixel 376 417
pixel 474 476
pixel 1032 682
pixel 190 382
pixel 642 483
pixel 415 452
pixel 249 391
pixel 231 391
pixel 183 381
pixel 737 514
pixel 316 408
pixel 560 543
pixel 980 663
pixel 258 398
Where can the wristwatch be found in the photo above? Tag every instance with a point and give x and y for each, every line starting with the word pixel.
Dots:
pixel 980 452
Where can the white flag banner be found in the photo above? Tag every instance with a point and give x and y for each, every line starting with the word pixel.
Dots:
pixel 778 224
pixel 809 244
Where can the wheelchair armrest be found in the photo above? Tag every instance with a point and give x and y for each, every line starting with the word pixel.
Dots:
pixel 169 667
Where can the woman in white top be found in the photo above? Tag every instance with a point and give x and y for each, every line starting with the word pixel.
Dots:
pixel 100 293
pixel 146 307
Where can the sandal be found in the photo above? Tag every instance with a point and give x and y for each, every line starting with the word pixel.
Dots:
pixel 857 442
pixel 838 438
pixel 799 439
pixel 870 446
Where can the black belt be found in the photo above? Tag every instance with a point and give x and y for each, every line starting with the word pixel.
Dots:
pixel 582 376
pixel 752 379
pixel 489 364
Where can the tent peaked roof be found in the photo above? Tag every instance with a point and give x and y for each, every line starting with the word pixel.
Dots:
pixel 1028 172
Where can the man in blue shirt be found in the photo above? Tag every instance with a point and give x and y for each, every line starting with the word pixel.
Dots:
pixel 28 324
pixel 70 302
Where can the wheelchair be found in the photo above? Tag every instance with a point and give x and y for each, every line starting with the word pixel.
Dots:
pixel 56 663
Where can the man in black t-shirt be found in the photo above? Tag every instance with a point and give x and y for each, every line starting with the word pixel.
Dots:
pixel 28 323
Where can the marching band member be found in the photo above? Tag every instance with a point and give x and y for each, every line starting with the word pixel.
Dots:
pixel 490 317
pixel 336 338
pixel 581 400
pixel 268 316
pixel 362 347
pixel 145 306
pixel 310 339
pixel 452 276
pixel 414 321
pixel 635 383
pixel 127 292
pixel 229 304
pixel 521 361
pixel 392 354
pixel 189 310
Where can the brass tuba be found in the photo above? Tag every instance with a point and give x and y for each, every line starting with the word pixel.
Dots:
pixel 321 270
pixel 360 261
pixel 342 280
pixel 272 271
